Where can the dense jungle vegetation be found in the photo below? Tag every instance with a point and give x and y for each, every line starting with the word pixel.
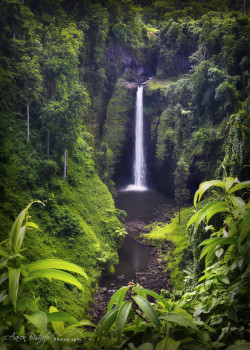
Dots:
pixel 69 70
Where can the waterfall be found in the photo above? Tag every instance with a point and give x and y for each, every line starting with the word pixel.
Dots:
pixel 139 169
pixel 139 161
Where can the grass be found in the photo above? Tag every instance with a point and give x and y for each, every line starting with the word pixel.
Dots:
pixel 176 233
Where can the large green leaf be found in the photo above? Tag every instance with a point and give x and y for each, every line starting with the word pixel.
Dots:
pixel 122 316
pixel 162 345
pixel 209 210
pixel 229 181
pixel 107 321
pixel 60 316
pixel 57 326
pixel 56 264
pixel 38 319
pixel 82 323
pixel 4 251
pixel 18 229
pixel 143 292
pixel 53 273
pixel 14 276
pixel 117 297
pixel 238 203
pixel 168 344
pixel 148 310
pixel 218 208
pixel 239 186
pixel 213 242
pixel 192 219
pixel 205 186
pixel 245 229
pixel 179 319
pixel 4 276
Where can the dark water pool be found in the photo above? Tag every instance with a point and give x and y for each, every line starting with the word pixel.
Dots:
pixel 134 257
pixel 141 205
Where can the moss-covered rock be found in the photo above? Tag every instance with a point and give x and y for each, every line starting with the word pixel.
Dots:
pixel 119 120
pixel 177 131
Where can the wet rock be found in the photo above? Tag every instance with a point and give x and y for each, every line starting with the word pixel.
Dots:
pixel 120 278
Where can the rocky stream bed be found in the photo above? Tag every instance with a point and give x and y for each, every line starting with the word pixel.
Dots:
pixel 154 276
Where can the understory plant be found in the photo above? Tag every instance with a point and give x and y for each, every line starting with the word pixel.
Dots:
pixel 20 314
pixel 215 313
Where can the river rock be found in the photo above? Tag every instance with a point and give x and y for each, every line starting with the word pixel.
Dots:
pixel 120 278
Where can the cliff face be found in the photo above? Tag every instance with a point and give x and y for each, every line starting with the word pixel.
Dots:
pixel 172 131
pixel 195 107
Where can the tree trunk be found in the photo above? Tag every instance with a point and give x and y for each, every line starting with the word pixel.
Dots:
pixel 28 122
pixel 65 166
pixel 48 135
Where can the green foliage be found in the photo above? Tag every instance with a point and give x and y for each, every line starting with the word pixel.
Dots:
pixel 118 118
pixel 19 274
pixel 181 192
pixel 67 224
pixel 63 58
pixel 174 232
pixel 213 314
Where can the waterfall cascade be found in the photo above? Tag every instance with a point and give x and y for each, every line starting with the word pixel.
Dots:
pixel 139 170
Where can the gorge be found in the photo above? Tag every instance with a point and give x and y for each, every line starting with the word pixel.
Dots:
pixel 108 157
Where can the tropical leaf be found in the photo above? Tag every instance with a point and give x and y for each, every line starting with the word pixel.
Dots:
pixel 4 277
pixel 107 321
pixel 82 323
pixel 218 208
pixel 32 225
pixel 60 316
pixel 204 186
pixel 239 186
pixel 122 316
pixel 56 264
pixel 117 297
pixel 168 344
pixel 244 230
pixel 58 326
pixel 4 251
pixel 192 219
pixel 238 203
pixel 148 310
pixel 143 292
pixel 209 210
pixel 218 240
pixel 16 233
pixel 162 345
pixel 38 319
pixel 179 319
pixel 14 276
pixel 229 181
pixel 53 273
pixel 213 242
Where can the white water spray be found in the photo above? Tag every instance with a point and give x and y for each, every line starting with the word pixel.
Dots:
pixel 139 160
